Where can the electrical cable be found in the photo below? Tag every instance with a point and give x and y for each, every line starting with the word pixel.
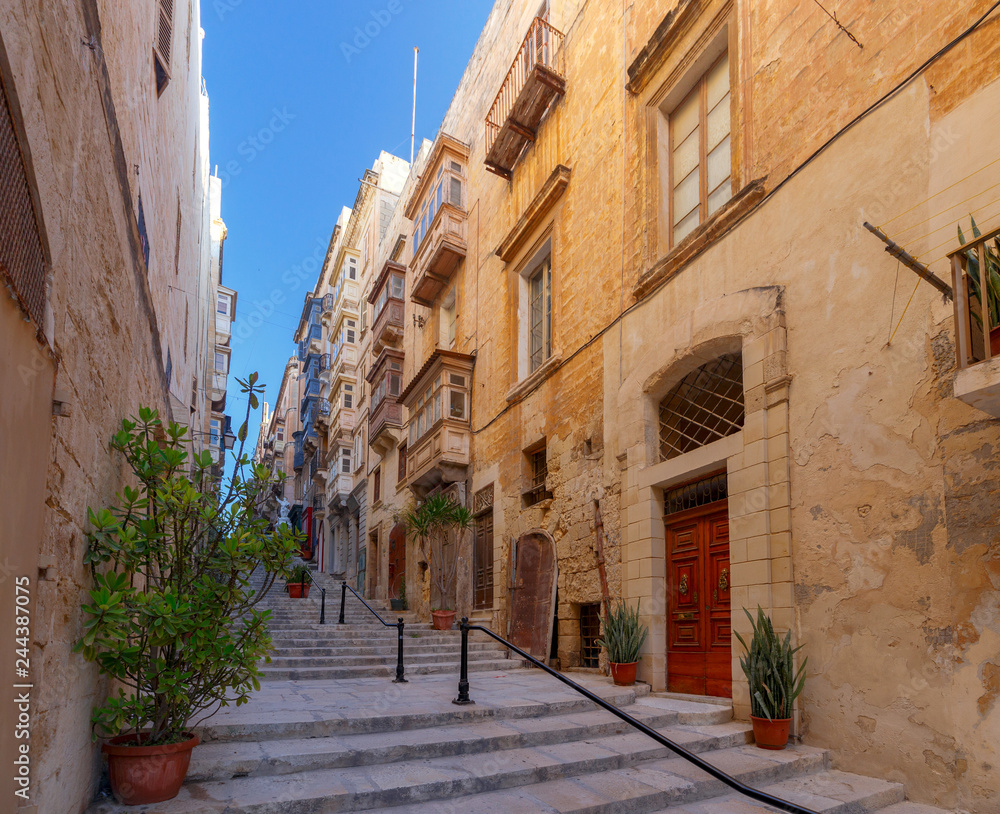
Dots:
pixel 939 192
pixel 940 212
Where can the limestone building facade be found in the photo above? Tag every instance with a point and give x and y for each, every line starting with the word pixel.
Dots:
pixel 645 335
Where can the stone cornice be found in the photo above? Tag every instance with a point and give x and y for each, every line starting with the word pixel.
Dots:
pixel 536 211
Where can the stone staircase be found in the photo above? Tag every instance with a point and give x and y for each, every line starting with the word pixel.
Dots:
pixel 346 738
pixel 362 647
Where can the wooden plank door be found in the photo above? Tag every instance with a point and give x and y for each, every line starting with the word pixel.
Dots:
pixel 699 636
pixel 397 559
pixel 482 558
pixel 534 595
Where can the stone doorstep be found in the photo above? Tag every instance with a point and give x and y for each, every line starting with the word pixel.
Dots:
pixel 224 761
pixel 592 773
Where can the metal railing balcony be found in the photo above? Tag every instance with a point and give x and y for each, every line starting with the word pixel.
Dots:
pixel 535 78
pixel 976 269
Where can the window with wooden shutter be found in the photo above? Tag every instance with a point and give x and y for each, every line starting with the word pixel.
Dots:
pixel 163 45
pixel 22 258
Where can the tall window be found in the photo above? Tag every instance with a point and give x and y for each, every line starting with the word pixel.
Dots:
pixel 538 471
pixel 377 485
pixel 222 305
pixel 540 315
pixel 345 460
pixel 700 153
pixel 401 463
pixel 163 44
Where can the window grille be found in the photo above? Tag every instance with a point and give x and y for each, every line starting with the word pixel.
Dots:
pixel 693 495
pixel 707 405
pixel 21 255
pixel 538 467
pixel 590 632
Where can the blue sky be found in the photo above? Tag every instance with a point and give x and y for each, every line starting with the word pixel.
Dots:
pixel 302 99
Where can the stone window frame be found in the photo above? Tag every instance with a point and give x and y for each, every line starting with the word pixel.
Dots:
pixel 542 251
pixel 684 46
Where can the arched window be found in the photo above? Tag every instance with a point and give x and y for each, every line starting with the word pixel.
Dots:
pixel 705 406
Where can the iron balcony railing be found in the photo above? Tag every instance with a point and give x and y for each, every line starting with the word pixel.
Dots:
pixel 975 269
pixel 542 46
pixel 463 698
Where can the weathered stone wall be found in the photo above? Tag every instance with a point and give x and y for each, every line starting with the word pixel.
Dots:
pixel 863 503
pixel 98 134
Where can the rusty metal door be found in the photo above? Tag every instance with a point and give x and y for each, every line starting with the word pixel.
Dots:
pixel 533 601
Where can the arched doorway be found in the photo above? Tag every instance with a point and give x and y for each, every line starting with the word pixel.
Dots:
pixel 533 600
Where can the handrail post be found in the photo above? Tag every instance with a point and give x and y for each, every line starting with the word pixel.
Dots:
pixel 463 679
pixel 343 601
pixel 400 679
pixel 322 606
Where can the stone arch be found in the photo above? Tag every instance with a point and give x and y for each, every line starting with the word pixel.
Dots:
pixel 751 322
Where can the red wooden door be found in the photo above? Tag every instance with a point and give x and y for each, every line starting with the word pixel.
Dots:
pixel 397 559
pixel 699 635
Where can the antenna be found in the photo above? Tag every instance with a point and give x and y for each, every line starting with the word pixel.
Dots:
pixel 413 126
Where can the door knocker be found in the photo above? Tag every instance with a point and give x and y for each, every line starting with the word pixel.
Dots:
pixel 724 580
pixel 684 585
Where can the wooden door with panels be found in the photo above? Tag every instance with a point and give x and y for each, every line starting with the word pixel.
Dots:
pixel 699 626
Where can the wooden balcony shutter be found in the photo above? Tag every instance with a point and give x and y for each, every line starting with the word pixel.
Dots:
pixel 165 30
pixel 21 256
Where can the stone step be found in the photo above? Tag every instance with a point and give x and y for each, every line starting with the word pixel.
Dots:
pixel 410 657
pixel 595 776
pixel 387 648
pixel 637 789
pixel 304 710
pixel 375 671
pixel 224 761
pixel 346 640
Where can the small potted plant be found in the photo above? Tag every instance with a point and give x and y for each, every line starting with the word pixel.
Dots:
pixel 623 638
pixel 299 582
pixel 398 603
pixel 433 521
pixel 172 616
pixel 774 681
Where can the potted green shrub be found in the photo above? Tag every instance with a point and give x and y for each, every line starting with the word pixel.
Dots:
pixel 623 637
pixel 299 580
pixel 398 603
pixel 773 679
pixel 432 522
pixel 992 254
pixel 172 617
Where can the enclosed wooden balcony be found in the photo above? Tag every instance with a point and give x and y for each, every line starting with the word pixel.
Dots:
pixel 976 276
pixel 439 448
pixel 385 417
pixel 438 211
pixel 388 309
pixel 535 80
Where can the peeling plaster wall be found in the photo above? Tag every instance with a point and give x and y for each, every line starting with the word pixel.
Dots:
pixel 110 321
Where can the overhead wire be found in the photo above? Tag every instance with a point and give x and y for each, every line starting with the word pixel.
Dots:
pixel 939 192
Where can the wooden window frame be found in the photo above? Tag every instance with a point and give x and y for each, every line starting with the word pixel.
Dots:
pixel 700 87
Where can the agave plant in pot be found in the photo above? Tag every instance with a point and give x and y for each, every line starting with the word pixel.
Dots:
pixel 171 617
pixel 991 306
pixel 774 682
pixel 623 637
pixel 438 523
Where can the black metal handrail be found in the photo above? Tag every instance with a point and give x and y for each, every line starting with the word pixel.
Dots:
pixel 398 624
pixel 718 774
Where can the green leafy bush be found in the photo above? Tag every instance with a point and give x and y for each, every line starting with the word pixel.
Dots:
pixel 172 615
pixel 300 574
pixel 992 276
pixel 770 671
pixel 623 634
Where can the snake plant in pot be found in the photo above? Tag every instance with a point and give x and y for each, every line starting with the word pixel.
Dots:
pixel 623 637
pixel 769 666
pixel 172 616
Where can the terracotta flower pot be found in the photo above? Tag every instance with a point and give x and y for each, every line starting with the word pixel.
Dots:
pixel 296 591
pixel 771 734
pixel 443 619
pixel 623 674
pixel 147 774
